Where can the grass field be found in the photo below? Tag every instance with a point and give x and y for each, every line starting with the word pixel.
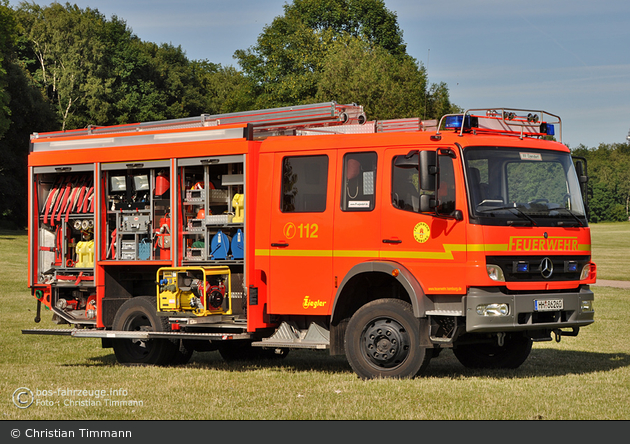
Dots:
pixel 611 247
pixel 581 378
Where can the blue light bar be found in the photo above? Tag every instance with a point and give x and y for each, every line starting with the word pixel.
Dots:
pixel 455 121
pixel 548 129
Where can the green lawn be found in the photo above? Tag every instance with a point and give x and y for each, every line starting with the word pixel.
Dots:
pixel 581 378
pixel 611 246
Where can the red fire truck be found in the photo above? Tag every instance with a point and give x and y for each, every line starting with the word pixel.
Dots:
pixel 310 227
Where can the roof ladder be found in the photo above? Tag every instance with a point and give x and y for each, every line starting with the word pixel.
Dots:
pixel 290 117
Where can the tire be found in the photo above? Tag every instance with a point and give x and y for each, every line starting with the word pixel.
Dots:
pixel 183 353
pixel 139 314
pixel 515 350
pixel 383 341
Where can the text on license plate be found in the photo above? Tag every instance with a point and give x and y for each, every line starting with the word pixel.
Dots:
pixel 548 304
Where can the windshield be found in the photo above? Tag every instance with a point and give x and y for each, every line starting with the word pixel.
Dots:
pixel 509 186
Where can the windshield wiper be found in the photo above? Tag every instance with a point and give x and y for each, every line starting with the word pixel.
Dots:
pixel 510 222
pixel 560 223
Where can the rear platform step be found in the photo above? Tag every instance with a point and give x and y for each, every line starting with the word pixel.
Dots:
pixel 109 334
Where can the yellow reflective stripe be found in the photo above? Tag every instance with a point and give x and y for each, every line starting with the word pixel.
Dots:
pixel 296 253
pixel 437 255
pixel 356 253
pixel 447 254
pixel 301 253
pixel 487 247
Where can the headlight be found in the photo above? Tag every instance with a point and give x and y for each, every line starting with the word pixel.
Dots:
pixel 495 273
pixel 586 305
pixel 586 270
pixel 493 310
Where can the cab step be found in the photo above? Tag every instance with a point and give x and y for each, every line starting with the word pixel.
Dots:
pixel 288 335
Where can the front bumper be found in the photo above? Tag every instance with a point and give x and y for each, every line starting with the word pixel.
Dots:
pixel 522 314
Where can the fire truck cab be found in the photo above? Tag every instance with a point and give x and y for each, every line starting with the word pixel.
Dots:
pixel 309 227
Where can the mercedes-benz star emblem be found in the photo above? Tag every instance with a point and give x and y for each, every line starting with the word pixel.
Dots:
pixel 546 268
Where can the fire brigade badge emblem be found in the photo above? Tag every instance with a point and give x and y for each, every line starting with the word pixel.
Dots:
pixel 421 232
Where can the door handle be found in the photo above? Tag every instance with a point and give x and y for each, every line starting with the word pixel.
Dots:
pixel 392 241
pixel 280 244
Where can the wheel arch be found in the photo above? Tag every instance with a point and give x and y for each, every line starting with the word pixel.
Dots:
pixel 366 282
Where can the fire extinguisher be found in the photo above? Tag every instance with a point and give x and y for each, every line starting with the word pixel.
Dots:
pixel 163 235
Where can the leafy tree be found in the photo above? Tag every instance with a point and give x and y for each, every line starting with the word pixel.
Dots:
pixel 70 48
pixel 7 40
pixel 29 110
pixel 22 108
pixel 438 102
pixel 221 89
pixel 609 180
pixel 343 50
pixel 369 20
pixel 284 63
pixel 388 87
pixel 97 72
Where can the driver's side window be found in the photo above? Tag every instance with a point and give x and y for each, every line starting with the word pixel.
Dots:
pixel 406 189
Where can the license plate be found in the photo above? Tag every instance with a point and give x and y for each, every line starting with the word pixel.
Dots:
pixel 548 305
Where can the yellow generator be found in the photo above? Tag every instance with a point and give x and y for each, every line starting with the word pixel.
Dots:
pixel 201 291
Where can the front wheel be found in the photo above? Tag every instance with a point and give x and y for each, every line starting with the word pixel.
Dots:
pixel 511 355
pixel 383 341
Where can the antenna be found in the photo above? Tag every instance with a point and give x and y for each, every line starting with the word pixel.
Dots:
pixel 426 90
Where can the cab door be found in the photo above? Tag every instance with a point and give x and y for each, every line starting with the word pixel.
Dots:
pixel 432 247
pixel 357 217
pixel 301 228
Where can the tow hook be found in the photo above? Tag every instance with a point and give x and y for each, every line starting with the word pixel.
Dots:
pixel 501 339
pixel 558 334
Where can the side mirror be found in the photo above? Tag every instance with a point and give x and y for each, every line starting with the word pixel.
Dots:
pixel 580 169
pixel 428 170
pixel 427 203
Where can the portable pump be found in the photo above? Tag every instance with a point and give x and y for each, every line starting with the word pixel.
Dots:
pixel 198 291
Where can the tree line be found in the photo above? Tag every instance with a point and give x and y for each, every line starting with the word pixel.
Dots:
pixel 609 181
pixel 63 67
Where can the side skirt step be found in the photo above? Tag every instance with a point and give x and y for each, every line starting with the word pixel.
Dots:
pixel 288 335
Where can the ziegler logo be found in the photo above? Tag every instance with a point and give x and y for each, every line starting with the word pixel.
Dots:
pixel 541 243
pixel 312 304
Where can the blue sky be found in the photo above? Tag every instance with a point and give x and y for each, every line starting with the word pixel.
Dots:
pixel 567 57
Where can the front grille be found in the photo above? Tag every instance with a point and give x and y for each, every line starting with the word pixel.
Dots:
pixel 561 267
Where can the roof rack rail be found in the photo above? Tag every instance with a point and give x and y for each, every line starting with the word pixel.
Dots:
pixel 508 121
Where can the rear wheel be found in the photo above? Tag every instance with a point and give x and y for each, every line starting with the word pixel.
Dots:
pixel 383 341
pixel 183 353
pixel 511 355
pixel 139 314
